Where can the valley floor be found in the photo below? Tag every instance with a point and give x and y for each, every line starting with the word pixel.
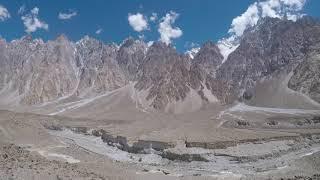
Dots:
pixel 236 142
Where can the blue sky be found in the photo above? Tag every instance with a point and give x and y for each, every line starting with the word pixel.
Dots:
pixel 198 20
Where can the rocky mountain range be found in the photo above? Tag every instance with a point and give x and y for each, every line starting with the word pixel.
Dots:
pixel 33 72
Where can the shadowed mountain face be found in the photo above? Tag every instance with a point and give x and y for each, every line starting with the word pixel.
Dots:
pixel 130 56
pixel 273 46
pixel 165 74
pixel 36 72
pixel 97 68
pixel 306 77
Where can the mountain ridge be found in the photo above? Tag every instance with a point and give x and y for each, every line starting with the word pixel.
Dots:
pixel 35 72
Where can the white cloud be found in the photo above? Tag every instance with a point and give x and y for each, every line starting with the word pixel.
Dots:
pixel 22 9
pixel 294 4
pixel 4 13
pixel 99 31
pixel 269 8
pixel 166 30
pixel 32 22
pixel 153 17
pixel 248 18
pixel 291 9
pixel 35 11
pixel 138 22
pixel 142 36
pixel 67 16
pixel 189 45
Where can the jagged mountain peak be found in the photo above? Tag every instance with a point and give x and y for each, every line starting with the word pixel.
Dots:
pixel 130 55
pixel 191 53
pixel 210 55
pixel 62 37
pixel 206 47
pixel 128 42
pixel 90 67
pixel 131 43
pixel 27 38
pixel 161 45
pixel 208 44
pixel 273 46
pixel 88 40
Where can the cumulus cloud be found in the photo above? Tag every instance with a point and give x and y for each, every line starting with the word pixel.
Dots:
pixel 290 9
pixel 270 8
pixel 248 18
pixel 138 22
pixel 67 16
pixel 4 13
pixel 189 45
pixel 99 31
pixel 32 22
pixel 22 9
pixel 153 17
pixel 142 37
pixel 166 29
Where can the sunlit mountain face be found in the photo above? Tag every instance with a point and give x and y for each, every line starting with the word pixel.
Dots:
pixel 160 90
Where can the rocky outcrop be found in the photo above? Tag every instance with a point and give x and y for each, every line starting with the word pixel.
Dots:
pixel 38 72
pixel 18 162
pixel 204 67
pixel 183 157
pixel 164 74
pixel 306 77
pixel 130 56
pixel 98 69
pixel 141 146
pixel 208 60
pixel 35 72
pixel 273 45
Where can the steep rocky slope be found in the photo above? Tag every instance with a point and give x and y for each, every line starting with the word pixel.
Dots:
pixel 273 46
pixel 38 72
pixel 164 74
pixel 203 69
pixel 98 70
pixel 130 56
pixel 306 77
pixel 34 72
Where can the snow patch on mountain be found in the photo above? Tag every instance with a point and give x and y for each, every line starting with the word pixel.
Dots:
pixel 192 52
pixel 227 46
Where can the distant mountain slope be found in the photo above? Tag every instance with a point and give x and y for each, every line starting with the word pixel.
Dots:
pixel 271 47
pixel 33 72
